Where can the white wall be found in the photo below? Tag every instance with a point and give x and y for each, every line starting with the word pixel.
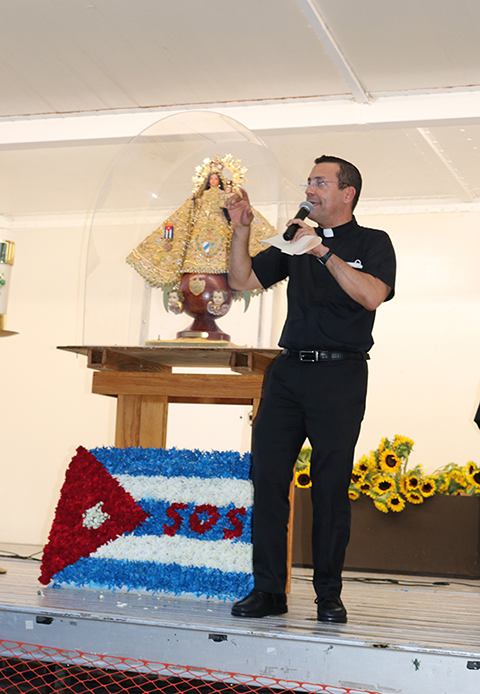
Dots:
pixel 425 367
pixel 46 409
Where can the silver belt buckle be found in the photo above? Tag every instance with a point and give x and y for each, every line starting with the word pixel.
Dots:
pixel 308 355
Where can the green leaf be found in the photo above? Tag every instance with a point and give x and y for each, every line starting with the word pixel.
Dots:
pixel 166 291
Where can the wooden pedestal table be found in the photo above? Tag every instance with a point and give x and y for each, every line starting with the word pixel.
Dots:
pixel 141 379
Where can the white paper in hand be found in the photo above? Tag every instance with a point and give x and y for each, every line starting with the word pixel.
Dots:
pixel 304 244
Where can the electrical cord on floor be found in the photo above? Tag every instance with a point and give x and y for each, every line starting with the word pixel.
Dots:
pixel 379 581
pixel 14 555
pixel 393 581
pixel 424 583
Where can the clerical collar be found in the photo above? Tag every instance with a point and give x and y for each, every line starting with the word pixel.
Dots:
pixel 329 233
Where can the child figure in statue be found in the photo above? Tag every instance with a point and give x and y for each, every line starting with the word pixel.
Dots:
pixel 217 305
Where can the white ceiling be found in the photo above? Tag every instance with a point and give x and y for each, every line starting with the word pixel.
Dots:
pixel 394 87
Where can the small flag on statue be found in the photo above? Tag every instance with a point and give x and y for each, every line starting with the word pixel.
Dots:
pixel 168 233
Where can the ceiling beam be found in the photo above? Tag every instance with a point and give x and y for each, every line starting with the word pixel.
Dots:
pixel 395 111
pixel 333 50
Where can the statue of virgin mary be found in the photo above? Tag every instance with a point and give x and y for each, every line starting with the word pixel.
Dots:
pixel 189 252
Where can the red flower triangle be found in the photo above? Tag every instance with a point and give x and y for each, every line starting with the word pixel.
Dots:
pixel 87 483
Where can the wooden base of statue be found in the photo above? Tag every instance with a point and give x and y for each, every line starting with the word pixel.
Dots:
pixel 205 298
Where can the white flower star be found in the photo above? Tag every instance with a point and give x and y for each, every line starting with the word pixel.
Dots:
pixel 94 517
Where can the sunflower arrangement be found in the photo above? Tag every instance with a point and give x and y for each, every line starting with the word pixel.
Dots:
pixel 384 476
pixel 454 480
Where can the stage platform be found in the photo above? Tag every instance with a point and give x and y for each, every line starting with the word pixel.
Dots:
pixel 405 634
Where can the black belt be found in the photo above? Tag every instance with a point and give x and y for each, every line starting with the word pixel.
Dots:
pixel 312 355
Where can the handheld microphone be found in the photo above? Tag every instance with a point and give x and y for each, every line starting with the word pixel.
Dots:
pixel 305 209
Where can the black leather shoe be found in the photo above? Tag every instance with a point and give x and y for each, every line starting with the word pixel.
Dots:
pixel 260 604
pixel 331 610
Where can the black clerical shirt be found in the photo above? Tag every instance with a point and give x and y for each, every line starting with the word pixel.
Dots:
pixel 320 314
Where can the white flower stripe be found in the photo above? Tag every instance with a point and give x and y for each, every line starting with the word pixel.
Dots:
pixel 216 491
pixel 221 554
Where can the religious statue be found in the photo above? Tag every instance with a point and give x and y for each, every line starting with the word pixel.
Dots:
pixel 187 256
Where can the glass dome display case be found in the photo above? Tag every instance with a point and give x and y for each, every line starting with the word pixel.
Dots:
pixel 150 179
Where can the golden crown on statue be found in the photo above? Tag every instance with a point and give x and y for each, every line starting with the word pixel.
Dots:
pixel 216 165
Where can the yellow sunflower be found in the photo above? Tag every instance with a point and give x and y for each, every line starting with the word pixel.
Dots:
pixel 365 487
pixel 402 485
pixel 412 482
pixel 428 487
pixel 474 478
pixel 384 484
pixel 356 477
pixel 414 497
pixel 303 479
pixel 469 468
pixel 384 443
pixel 389 461
pixel 353 494
pixel 442 483
pixel 458 477
pixel 398 440
pixel 380 505
pixel 363 464
pixel 395 502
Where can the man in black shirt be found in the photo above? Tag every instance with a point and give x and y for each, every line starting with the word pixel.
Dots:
pixel 317 386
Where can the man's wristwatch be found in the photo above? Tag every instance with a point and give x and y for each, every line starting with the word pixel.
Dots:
pixel 325 258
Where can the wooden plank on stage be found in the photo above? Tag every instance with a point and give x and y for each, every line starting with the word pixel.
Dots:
pixel 405 634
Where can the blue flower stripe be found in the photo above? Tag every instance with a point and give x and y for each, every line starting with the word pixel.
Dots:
pixel 174 462
pixel 109 574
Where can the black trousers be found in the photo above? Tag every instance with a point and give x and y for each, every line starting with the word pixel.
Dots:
pixel 324 401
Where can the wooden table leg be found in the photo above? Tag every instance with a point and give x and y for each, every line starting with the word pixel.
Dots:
pixel 141 421
pixel 153 421
pixel 128 420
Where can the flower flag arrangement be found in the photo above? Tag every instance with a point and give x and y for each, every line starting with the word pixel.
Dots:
pixel 385 477
pixel 152 519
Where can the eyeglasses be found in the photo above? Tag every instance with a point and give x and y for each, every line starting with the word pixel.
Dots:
pixel 316 182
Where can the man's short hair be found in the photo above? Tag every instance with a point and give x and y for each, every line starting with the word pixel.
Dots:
pixel 348 174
